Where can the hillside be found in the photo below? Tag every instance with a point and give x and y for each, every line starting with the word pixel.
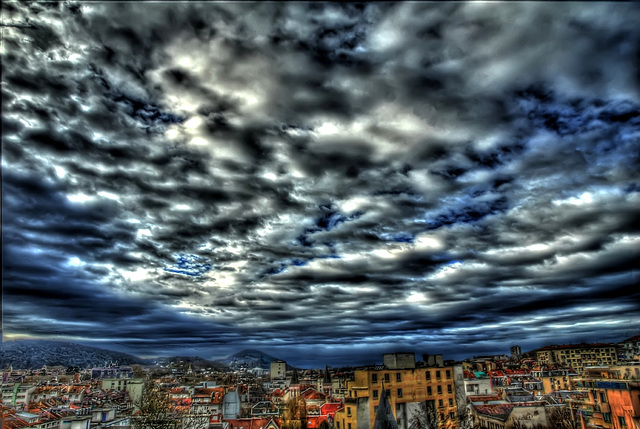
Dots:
pixel 196 362
pixel 248 359
pixel 34 354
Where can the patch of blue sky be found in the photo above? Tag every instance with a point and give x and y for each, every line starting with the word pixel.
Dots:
pixel 399 237
pixel 189 265
pixel 631 187
pixel 567 117
pixel 465 209
pixel 330 220
pixel 282 266
pixel 142 110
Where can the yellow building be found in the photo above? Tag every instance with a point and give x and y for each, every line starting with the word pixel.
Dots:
pixel 406 388
pixel 578 356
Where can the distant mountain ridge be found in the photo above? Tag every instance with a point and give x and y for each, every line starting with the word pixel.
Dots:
pixel 34 354
pixel 248 358
pixel 196 361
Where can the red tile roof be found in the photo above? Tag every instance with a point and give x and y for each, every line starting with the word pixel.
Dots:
pixel 632 339
pixel 330 408
pixel 253 423
pixel 500 411
pixel 312 394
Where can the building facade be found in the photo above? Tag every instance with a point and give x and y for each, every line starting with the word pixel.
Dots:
pixel 611 403
pixel 408 390
pixel 278 369
pixel 629 349
pixel 578 356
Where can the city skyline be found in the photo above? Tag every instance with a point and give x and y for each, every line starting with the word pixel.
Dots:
pixel 320 181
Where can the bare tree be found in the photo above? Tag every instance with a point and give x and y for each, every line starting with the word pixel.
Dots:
pixel 294 414
pixel 466 419
pixel 562 418
pixel 425 417
pixel 158 411
pixel 521 425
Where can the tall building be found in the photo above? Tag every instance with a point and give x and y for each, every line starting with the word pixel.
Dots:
pixel 327 384
pixel 278 369
pixel 516 352
pixel 409 389
pixel 578 356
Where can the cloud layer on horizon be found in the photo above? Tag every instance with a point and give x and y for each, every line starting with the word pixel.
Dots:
pixel 434 176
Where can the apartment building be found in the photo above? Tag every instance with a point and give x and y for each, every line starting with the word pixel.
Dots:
pixel 578 356
pixel 612 403
pixel 409 386
pixel 629 349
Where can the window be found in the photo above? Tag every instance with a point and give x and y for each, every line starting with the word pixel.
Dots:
pixel 429 392
pixel 388 392
pixel 386 378
pixel 437 374
pixel 448 373
pixel 398 376
pixel 348 425
pixel 399 393
pixel 375 394
pixel 349 411
pixel 374 378
pixel 427 374
pixel 607 417
pixel 449 388
pixel 439 390
pixel 338 423
pixel 451 402
pixel 622 421
pixel 602 397
pixel 452 416
pixel 440 403
pixel 375 411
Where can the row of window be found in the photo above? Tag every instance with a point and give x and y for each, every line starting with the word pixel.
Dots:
pixel 399 392
pixel 438 374
pixel 387 376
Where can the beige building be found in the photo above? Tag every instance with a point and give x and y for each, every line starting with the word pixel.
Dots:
pixel 278 369
pixel 578 356
pixel 133 386
pixel 407 387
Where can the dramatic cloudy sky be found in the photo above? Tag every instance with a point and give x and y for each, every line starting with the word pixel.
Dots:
pixel 324 182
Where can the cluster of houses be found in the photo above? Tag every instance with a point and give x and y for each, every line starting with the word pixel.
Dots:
pixel 570 386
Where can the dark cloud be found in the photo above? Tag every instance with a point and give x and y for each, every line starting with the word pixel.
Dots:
pixel 356 177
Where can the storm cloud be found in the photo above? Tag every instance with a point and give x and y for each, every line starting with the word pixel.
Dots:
pixel 351 178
